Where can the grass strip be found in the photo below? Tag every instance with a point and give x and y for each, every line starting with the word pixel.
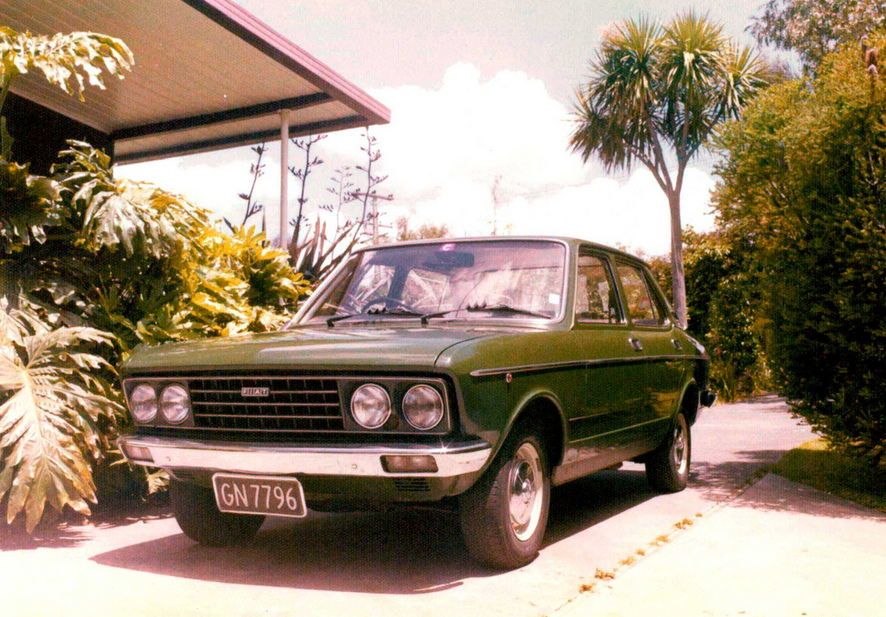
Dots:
pixel 818 465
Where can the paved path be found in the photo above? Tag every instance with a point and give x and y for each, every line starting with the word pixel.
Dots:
pixel 396 563
pixel 780 549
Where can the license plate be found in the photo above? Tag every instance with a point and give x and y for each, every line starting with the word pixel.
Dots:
pixel 277 496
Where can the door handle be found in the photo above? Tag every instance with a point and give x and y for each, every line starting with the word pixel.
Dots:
pixel 635 344
pixel 677 344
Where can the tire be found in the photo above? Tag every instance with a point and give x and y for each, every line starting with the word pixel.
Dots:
pixel 667 467
pixel 504 515
pixel 200 519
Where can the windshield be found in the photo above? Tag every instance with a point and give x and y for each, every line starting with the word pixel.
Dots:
pixel 500 279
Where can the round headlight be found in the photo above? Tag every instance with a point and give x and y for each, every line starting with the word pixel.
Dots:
pixel 175 403
pixel 143 403
pixel 423 407
pixel 371 406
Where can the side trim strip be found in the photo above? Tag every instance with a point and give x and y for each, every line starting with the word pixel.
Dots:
pixel 628 428
pixel 572 364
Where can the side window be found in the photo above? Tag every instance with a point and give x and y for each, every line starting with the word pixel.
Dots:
pixel 594 292
pixel 638 297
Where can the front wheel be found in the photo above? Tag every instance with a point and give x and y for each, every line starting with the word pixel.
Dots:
pixel 199 517
pixel 504 515
pixel 667 467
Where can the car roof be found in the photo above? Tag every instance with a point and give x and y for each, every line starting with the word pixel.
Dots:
pixel 572 242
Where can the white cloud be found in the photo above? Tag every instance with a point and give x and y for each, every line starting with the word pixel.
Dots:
pixel 213 181
pixel 633 214
pixel 444 152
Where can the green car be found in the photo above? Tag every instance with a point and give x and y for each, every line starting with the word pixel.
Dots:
pixel 473 372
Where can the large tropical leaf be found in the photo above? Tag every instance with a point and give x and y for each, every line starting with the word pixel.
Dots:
pixel 112 214
pixel 54 396
pixel 28 205
pixel 64 59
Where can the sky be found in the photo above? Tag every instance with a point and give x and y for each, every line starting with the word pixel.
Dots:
pixel 480 96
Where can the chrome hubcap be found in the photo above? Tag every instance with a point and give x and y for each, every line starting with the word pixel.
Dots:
pixel 525 492
pixel 679 452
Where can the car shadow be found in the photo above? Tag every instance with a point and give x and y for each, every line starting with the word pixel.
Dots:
pixel 585 502
pixel 398 552
pixel 403 552
pixel 719 481
pixel 782 495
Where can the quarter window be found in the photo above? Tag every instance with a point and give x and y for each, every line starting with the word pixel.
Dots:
pixel 640 304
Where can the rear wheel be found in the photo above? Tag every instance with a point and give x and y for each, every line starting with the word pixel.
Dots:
pixel 504 515
pixel 199 517
pixel 667 467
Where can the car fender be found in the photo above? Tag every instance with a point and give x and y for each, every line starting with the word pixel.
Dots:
pixel 690 389
pixel 532 402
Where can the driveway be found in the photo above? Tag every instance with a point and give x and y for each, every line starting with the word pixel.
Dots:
pixel 394 563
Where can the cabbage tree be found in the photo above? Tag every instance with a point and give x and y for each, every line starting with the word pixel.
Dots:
pixel 655 95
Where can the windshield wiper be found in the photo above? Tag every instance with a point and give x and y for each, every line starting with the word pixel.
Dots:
pixel 504 308
pixel 331 321
pixel 395 312
pixel 427 316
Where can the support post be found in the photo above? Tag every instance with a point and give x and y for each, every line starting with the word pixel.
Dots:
pixel 284 179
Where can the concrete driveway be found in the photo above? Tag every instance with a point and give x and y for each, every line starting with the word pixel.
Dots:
pixel 395 563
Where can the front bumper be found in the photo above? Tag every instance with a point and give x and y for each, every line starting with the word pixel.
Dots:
pixel 453 460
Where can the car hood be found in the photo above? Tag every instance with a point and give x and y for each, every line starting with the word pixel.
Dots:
pixel 309 347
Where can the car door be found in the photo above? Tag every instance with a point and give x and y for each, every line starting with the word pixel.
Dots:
pixel 653 342
pixel 614 394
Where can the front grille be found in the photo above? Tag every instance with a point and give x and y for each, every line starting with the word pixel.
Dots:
pixel 412 485
pixel 292 405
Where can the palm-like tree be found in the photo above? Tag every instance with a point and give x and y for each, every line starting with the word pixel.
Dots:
pixel 655 94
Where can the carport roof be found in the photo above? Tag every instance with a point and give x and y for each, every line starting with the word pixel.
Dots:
pixel 208 75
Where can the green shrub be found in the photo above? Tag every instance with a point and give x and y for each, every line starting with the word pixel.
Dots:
pixel 804 178
pixel 721 307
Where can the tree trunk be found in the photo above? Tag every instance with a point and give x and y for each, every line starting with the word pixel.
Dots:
pixel 677 275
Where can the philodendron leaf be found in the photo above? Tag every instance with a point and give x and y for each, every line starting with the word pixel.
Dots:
pixel 47 424
pixel 28 204
pixel 64 57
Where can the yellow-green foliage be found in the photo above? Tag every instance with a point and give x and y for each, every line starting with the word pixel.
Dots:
pixel 226 284
pixel 723 298
pixel 62 58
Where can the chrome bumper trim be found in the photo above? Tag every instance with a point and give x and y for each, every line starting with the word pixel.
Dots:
pixel 360 461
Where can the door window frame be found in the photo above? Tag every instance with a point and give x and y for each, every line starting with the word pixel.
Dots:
pixel 615 291
pixel 655 296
